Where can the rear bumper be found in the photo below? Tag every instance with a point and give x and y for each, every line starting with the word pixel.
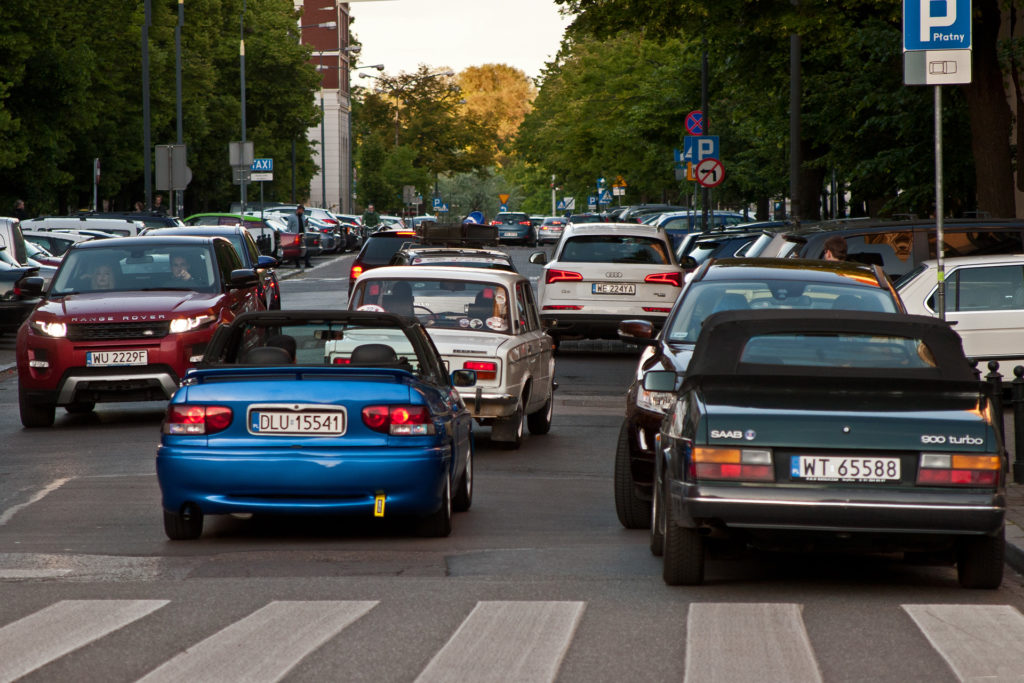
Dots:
pixel 483 404
pixel 859 511
pixel 223 481
pixel 591 326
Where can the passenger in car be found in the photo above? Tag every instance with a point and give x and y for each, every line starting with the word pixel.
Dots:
pixel 102 276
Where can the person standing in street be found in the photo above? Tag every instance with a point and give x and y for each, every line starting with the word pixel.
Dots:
pixel 19 210
pixel 297 224
pixel 158 205
pixel 371 219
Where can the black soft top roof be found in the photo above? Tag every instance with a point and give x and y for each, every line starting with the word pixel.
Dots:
pixel 724 337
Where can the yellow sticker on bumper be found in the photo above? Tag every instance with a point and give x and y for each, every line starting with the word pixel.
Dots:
pixel 378 505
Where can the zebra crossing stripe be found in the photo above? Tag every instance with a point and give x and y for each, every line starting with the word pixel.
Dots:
pixel 507 641
pixel 29 643
pixel 773 639
pixel 979 642
pixel 263 646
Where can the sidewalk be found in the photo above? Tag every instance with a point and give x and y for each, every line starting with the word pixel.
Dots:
pixel 1015 527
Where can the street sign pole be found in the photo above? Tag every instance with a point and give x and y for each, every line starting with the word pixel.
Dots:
pixel 939 208
pixel 706 194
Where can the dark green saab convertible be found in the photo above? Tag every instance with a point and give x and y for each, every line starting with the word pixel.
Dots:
pixel 829 429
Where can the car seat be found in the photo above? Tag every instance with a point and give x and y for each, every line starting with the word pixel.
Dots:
pixel 399 301
pixel 377 356
pixel 267 355
pixel 483 305
pixel 731 302
pixel 283 341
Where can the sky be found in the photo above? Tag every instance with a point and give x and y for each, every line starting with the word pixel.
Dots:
pixel 402 34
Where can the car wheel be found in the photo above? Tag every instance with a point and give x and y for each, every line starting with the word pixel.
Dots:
pixel 185 524
pixel 657 519
pixel 540 421
pixel 979 561
pixel 81 407
pixel 439 524
pixel 35 414
pixel 633 512
pixel 683 561
pixel 464 491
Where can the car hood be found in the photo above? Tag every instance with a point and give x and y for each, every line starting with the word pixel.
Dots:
pixel 126 306
pixel 827 418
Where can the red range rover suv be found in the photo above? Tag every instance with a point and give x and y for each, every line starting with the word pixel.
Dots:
pixel 124 319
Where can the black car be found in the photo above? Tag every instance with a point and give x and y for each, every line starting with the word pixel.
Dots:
pixel 729 284
pixel 832 430
pixel 269 287
pixel 15 304
pixel 378 250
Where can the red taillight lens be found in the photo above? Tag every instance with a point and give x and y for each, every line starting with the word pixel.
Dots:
pixel 730 463
pixel 656 309
pixel 524 222
pixel 355 272
pixel 400 420
pixel 563 308
pixel 342 361
pixel 556 275
pixel 674 279
pixel 483 369
pixel 946 469
pixel 189 420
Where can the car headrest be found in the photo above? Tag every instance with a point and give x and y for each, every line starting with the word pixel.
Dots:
pixel 374 355
pixel 267 355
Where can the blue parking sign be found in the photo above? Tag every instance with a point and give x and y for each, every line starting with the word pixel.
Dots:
pixel 936 24
pixel 696 148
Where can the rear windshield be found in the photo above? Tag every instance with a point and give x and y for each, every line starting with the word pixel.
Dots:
pixel 838 350
pixel 704 298
pixel 614 249
pixel 379 250
pixel 453 304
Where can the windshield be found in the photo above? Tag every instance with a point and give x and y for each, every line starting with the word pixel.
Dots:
pixel 838 350
pixel 147 265
pixel 452 304
pixel 614 249
pixel 704 298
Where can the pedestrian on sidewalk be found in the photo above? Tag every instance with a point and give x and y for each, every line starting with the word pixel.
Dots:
pixel 297 224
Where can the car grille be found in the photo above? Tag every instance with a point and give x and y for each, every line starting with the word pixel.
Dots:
pixel 100 331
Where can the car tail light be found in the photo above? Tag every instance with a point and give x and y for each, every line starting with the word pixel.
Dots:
pixel 524 222
pixel 483 369
pixel 562 308
pixel 656 309
pixel 556 275
pixel 190 420
pixel 495 222
pixel 356 271
pixel 399 420
pixel 674 279
pixel 342 361
pixel 951 469
pixel 732 464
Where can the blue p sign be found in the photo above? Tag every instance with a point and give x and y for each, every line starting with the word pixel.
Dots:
pixel 936 24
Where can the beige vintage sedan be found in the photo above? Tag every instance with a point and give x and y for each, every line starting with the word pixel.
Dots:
pixel 481 320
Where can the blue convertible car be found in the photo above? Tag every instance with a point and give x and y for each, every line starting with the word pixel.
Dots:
pixel 318 412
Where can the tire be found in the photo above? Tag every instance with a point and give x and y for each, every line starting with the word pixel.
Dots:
pixel 657 540
pixel 683 561
pixel 464 490
pixel 81 407
pixel 34 415
pixel 633 512
pixel 439 524
pixel 184 525
pixel 540 421
pixel 979 561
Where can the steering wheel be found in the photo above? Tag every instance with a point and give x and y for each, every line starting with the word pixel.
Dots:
pixel 433 316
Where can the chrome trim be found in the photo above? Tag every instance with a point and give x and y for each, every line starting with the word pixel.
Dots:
pixel 818 503
pixel 70 386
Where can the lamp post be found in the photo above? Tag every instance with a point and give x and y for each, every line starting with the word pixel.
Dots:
pixel 241 57
pixel 349 203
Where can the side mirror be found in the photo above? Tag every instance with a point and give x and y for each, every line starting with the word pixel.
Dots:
pixel 688 263
pixel 267 262
pixel 637 332
pixel 539 257
pixel 242 278
pixel 32 286
pixel 463 378
pixel 660 380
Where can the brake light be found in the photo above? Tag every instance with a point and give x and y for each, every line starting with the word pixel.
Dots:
pixel 524 222
pixel 732 464
pixel 399 420
pixel 656 309
pixel 495 222
pixel 342 361
pixel 949 469
pixel 556 275
pixel 483 369
pixel 562 308
pixel 355 272
pixel 190 420
pixel 406 233
pixel 674 279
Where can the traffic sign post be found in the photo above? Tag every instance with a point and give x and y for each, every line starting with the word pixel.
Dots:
pixel 937 51
pixel 696 148
pixel 695 122
pixel 709 172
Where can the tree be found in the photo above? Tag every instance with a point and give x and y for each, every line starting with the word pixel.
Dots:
pixel 499 94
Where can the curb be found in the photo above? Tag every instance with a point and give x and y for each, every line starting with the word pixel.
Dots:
pixel 1015 547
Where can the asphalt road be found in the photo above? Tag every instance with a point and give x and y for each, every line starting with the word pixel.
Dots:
pixel 537 582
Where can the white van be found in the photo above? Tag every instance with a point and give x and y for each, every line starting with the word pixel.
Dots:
pixel 120 227
pixel 12 242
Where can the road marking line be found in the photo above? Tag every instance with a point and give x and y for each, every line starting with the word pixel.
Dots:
pixel 263 646
pixel 507 641
pixel 39 495
pixel 63 627
pixel 979 642
pixel 775 646
pixel 33 573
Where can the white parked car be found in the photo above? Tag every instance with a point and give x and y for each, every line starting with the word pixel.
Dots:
pixel 984 302
pixel 481 320
pixel 603 273
pixel 118 227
